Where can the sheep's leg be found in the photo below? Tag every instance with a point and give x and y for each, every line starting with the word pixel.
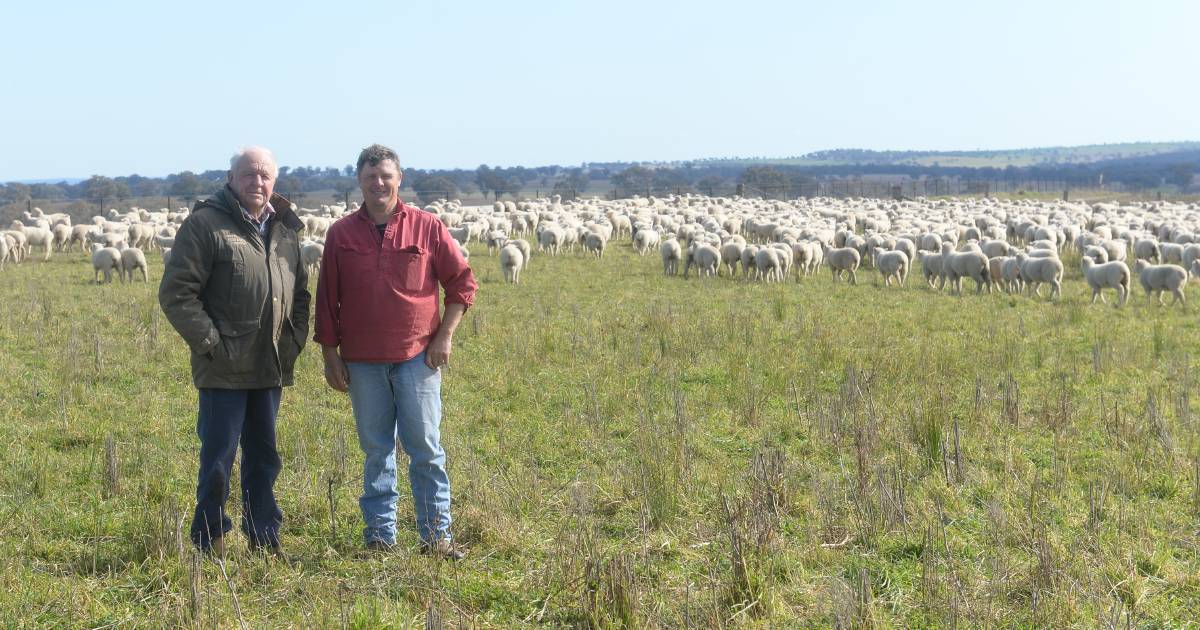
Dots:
pixel 1096 294
pixel 853 278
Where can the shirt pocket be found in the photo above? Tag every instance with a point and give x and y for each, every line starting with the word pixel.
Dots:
pixel 410 268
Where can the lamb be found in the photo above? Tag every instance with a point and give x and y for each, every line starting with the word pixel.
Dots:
pixel 550 238
pixel 310 256
pixel 166 253
pixel 671 253
pixel 1191 253
pixel 731 255
pixel 526 250
pixel 1147 249
pixel 1035 271
pixel 931 268
pixel 843 259
pixel 1159 278
pixel 891 264
pixel 595 243
pixel 62 236
pixel 106 260
pixel 1172 254
pixel 957 265
pixel 511 263
pixel 767 265
pixel 645 240
pixel 35 237
pixel 1099 255
pixel 3 251
pixel 705 257
pixel 133 259
pixel 747 257
pixel 1112 275
pixel 1011 275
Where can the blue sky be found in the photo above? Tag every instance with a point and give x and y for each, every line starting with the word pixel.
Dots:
pixel 158 87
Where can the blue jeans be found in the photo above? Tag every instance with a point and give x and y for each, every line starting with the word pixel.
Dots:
pixel 229 417
pixel 401 400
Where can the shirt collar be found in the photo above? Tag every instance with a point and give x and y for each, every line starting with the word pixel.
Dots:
pixel 267 214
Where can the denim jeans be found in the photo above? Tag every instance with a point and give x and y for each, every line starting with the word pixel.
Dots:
pixel 227 417
pixel 400 400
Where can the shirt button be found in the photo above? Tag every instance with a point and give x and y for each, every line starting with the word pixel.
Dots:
pixel 274 299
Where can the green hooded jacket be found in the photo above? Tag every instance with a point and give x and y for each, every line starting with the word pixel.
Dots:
pixel 241 305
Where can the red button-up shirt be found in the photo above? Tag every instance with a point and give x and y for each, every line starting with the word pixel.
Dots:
pixel 377 297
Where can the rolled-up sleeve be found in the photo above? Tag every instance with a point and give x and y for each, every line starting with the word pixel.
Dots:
pixel 328 329
pixel 452 270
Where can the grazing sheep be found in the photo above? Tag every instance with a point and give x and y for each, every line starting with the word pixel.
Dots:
pixel 1191 253
pixel 931 268
pixel 748 253
pixel 1098 254
pixel 959 265
pixel 105 260
pixel 671 253
pixel 132 259
pixel 1147 249
pixel 644 241
pixel 550 238
pixel 843 259
pixel 706 258
pixel 1112 275
pixel 1159 278
pixel 1035 271
pixel 767 265
pixel 62 236
pixel 3 252
pixel 731 255
pixel 1171 254
pixel 310 256
pixel 1010 275
pixel 594 242
pixel 1116 249
pixel 891 264
pixel 511 263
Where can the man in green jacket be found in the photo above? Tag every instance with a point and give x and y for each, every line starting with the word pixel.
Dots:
pixel 237 293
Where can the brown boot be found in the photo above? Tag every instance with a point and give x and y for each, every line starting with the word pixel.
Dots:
pixel 443 549
pixel 215 549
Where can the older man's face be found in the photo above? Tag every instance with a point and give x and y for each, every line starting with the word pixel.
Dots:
pixel 253 180
pixel 380 184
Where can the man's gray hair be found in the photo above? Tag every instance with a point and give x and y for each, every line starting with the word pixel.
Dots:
pixel 241 153
pixel 375 154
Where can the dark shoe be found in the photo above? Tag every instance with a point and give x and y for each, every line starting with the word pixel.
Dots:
pixel 380 546
pixel 443 550
pixel 215 548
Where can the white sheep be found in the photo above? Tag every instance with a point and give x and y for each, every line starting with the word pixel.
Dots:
pixel 310 256
pixel 595 242
pixel 891 264
pixel 1158 278
pixel 511 262
pixel 671 254
pixel 132 259
pixel 959 265
pixel 166 254
pixel 843 259
pixel 1035 271
pixel 931 268
pixel 767 265
pixel 105 260
pixel 645 240
pixel 704 256
pixel 1111 275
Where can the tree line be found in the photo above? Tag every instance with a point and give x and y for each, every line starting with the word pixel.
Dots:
pixel 1175 170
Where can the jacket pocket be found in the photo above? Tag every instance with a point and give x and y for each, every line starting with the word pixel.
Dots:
pixel 410 268
pixel 237 341
pixel 289 346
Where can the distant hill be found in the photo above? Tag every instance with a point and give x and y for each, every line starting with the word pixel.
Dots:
pixel 1001 158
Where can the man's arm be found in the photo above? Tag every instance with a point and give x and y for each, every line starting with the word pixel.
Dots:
pixel 182 283
pixel 301 303
pixel 328 326
pixel 438 352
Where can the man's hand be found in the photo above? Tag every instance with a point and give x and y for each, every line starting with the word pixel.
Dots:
pixel 438 353
pixel 336 374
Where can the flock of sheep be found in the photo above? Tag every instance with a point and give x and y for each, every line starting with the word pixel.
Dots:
pixel 1007 245
pixel 1014 246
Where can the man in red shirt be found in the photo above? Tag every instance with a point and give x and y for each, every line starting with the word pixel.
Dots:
pixel 384 342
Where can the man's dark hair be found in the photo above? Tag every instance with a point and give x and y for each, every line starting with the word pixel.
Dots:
pixel 375 154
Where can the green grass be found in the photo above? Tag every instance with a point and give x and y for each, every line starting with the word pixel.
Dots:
pixel 628 449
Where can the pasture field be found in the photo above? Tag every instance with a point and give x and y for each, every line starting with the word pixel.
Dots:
pixel 632 450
